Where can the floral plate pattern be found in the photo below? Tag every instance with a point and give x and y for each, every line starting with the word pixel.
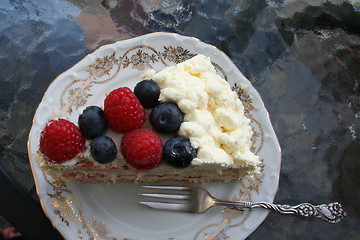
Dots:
pixel 111 211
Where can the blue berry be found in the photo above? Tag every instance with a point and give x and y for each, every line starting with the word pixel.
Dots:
pixel 103 149
pixel 92 122
pixel 178 152
pixel 148 92
pixel 166 118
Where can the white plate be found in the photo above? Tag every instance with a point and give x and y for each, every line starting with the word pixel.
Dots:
pixel 111 211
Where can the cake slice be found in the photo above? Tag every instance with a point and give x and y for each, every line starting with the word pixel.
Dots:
pixel 206 138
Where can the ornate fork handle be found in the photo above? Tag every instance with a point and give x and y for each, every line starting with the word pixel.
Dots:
pixel 332 212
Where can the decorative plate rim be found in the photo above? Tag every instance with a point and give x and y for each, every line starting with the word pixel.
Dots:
pixel 265 114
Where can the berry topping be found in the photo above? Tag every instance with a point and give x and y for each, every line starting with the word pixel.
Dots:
pixel 178 152
pixel 166 118
pixel 92 122
pixel 148 92
pixel 142 149
pixel 123 111
pixel 61 140
pixel 103 149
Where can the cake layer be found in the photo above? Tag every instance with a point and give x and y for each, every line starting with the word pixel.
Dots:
pixel 88 171
pixel 188 175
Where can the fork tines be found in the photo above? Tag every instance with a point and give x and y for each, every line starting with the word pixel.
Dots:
pixel 181 188
pixel 168 206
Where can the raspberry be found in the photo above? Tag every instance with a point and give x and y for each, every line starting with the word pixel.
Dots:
pixel 123 110
pixel 61 140
pixel 142 149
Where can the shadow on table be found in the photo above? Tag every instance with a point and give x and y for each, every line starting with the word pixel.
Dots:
pixel 346 187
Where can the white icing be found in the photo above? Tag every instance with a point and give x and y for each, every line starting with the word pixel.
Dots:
pixel 214 119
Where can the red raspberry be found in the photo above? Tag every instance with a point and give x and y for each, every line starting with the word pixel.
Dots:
pixel 61 140
pixel 123 110
pixel 142 149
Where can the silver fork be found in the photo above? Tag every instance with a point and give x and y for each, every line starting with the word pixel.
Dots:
pixel 198 200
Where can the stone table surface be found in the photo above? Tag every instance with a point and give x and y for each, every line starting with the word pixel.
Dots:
pixel 302 56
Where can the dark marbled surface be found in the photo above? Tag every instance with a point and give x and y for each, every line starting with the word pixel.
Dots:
pixel 302 56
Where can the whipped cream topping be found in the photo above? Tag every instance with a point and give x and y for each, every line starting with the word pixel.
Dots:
pixel 214 119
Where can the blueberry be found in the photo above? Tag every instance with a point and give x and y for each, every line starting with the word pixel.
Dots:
pixel 166 118
pixel 178 152
pixel 92 122
pixel 148 92
pixel 103 149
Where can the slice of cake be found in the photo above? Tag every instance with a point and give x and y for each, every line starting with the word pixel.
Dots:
pixel 183 123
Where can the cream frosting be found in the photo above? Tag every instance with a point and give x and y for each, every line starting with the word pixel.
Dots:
pixel 214 118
